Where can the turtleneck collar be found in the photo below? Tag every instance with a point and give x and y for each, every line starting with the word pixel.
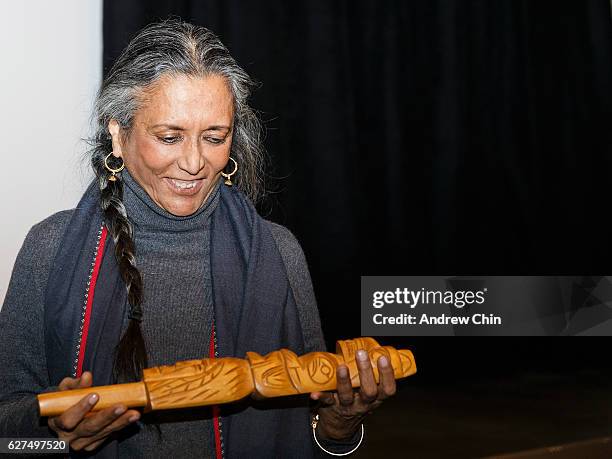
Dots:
pixel 145 213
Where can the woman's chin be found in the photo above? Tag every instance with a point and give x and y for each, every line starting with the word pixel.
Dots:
pixel 183 202
pixel 184 206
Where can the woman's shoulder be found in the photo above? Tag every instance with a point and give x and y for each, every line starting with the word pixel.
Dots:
pixel 289 248
pixel 50 229
pixel 54 224
pixel 33 263
pixel 285 240
pixel 42 241
pixel 293 257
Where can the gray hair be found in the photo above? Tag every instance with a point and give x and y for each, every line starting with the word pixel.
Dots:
pixel 176 47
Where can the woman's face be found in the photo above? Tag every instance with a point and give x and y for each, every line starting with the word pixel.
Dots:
pixel 180 140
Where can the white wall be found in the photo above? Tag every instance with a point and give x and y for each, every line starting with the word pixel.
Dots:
pixel 50 68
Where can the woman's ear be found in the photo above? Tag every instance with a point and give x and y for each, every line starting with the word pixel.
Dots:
pixel 115 132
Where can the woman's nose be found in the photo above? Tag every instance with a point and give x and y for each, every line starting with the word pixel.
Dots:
pixel 191 159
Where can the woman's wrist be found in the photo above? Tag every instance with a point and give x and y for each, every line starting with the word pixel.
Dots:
pixel 329 433
pixel 352 438
pixel 335 427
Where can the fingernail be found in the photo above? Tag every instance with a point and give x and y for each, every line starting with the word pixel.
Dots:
pixel 362 355
pixel 133 418
pixel 119 410
pixel 383 361
pixel 342 372
pixel 93 399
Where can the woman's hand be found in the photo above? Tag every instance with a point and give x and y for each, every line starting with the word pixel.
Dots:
pixel 342 412
pixel 82 429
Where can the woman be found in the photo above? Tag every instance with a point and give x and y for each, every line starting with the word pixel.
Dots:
pixel 161 261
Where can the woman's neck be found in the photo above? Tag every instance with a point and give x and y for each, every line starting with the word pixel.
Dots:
pixel 143 212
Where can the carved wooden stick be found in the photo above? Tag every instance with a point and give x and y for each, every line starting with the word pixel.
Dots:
pixel 215 381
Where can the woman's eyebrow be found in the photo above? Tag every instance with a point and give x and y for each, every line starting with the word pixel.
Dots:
pixel 168 126
pixel 216 127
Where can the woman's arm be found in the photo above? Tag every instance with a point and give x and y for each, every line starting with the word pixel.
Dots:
pixel 23 371
pixel 301 285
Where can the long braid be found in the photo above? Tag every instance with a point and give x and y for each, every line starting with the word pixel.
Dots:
pixel 130 355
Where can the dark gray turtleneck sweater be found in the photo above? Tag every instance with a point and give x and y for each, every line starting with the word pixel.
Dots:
pixel 173 257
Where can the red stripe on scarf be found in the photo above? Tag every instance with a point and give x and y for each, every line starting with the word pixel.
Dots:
pixel 90 297
pixel 215 408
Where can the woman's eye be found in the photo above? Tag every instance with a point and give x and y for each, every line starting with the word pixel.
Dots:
pixel 214 140
pixel 169 139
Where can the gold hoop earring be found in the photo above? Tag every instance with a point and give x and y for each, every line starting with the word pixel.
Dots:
pixel 112 178
pixel 228 177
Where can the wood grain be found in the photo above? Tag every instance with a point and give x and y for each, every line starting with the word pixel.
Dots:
pixel 215 381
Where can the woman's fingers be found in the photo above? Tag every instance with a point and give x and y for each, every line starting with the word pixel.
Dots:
pixel 386 386
pixel 71 383
pixel 95 423
pixel 344 386
pixel 68 383
pixel 68 420
pixel 76 383
pixel 368 392
pixel 85 429
pixel 118 422
pixel 325 398
pixel 94 445
pixel 86 379
pixel 344 390
pixel 349 408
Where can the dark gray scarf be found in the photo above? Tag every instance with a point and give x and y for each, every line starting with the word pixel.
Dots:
pixel 254 310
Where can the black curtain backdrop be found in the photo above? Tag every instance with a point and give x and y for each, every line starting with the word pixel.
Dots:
pixel 427 137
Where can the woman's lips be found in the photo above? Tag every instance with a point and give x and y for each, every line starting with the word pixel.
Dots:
pixel 184 187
